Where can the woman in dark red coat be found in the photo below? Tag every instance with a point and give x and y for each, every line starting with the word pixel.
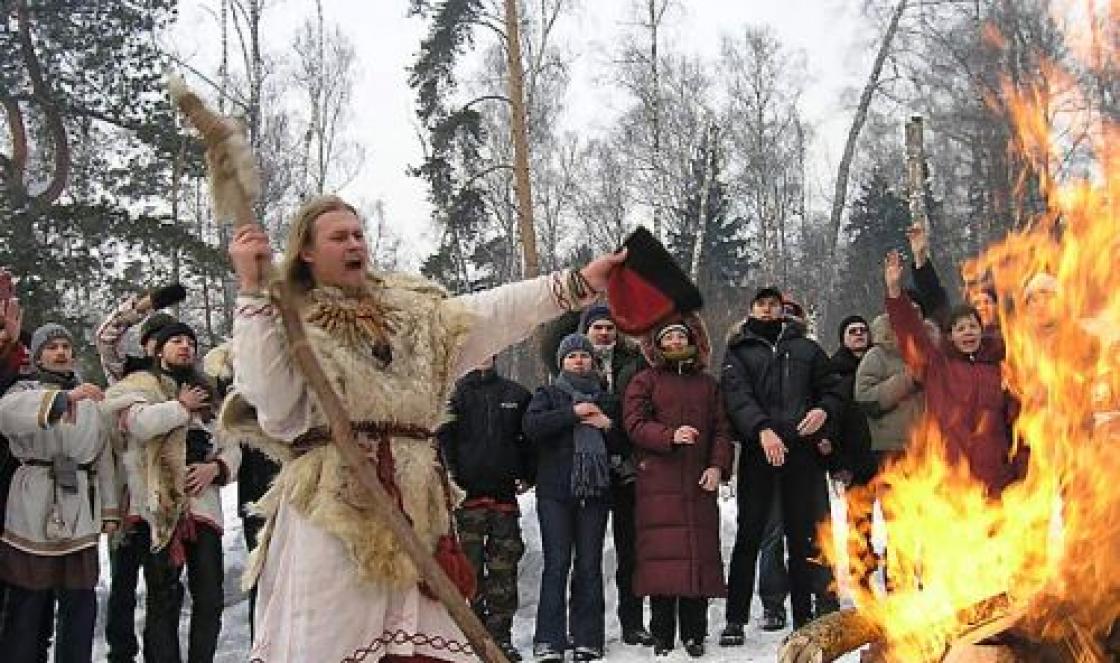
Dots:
pixel 674 416
pixel 963 384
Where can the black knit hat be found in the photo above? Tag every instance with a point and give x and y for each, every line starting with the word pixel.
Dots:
pixel 848 321
pixel 593 314
pixel 153 324
pixel 649 288
pixel 167 332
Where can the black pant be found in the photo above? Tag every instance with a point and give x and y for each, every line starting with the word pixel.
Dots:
pixel 125 561
pixel 165 600
pixel 28 618
pixel 692 614
pixel 623 530
pixel 251 528
pixel 773 580
pixel 800 488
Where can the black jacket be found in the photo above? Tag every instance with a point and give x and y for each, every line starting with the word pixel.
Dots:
pixel 625 364
pixel 774 385
pixel 482 445
pixel 548 424
pixel 849 431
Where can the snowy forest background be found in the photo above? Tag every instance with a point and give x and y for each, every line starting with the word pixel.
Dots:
pixel 103 191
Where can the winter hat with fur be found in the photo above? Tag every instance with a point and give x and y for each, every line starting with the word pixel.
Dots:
pixel 45 334
pixel 573 343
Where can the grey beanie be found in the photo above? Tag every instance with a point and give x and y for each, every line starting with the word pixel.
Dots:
pixel 46 334
pixel 570 344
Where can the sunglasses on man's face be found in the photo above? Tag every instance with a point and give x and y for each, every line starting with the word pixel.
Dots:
pixel 857 331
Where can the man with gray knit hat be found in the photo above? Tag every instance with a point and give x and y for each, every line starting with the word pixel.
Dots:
pixel 61 499
pixel 618 362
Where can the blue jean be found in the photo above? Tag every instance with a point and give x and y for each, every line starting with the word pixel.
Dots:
pixel 571 531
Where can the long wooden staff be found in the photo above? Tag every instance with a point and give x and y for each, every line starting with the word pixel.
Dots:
pixel 234 185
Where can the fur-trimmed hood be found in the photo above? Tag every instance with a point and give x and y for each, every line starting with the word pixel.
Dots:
pixel 696 327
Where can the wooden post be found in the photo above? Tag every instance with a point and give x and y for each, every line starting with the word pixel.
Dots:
pixel 519 129
pixel 916 172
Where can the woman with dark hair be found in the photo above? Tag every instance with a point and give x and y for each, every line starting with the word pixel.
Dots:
pixel 963 384
pixel 570 424
pixel 675 417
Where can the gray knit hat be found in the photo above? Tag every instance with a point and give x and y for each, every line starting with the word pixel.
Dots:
pixel 46 334
pixel 572 343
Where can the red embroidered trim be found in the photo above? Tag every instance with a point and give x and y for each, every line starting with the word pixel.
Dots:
pixel 401 637
pixel 256 310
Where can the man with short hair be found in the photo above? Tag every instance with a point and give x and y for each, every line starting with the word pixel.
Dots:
pixel 486 454
pixel 175 467
pixel 125 554
pixel 779 392
pixel 618 362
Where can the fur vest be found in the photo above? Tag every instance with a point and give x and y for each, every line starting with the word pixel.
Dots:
pixel 409 386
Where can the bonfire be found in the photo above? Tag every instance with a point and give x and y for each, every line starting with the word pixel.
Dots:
pixel 1034 575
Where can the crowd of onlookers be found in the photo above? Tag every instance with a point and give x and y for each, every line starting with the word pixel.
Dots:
pixel 636 432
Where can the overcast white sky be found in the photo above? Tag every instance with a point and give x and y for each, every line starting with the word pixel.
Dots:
pixel 836 42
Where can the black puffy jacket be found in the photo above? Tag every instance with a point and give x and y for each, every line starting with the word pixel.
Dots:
pixel 482 445
pixel 773 386
pixel 849 430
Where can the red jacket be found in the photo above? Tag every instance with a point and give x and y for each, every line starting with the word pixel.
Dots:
pixel 964 396
pixel 677 522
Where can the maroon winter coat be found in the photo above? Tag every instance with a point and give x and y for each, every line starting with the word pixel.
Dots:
pixel 677 522
pixel 964 396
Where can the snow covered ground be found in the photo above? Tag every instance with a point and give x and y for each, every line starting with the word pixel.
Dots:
pixel 234 643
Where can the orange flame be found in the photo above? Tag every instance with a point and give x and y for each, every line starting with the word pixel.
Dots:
pixel 1051 543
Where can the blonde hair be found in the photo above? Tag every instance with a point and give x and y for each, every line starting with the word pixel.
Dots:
pixel 293 270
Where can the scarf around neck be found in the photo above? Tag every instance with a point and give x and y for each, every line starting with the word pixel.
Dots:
pixel 590 465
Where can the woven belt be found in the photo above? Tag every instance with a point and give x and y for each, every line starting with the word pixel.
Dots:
pixel 320 436
pixel 35 462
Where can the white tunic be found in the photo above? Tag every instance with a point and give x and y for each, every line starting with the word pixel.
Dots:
pixel 310 604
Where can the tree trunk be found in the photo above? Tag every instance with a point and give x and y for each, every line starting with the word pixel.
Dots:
pixel 520 131
pixel 840 192
pixel 655 113
pixel 702 214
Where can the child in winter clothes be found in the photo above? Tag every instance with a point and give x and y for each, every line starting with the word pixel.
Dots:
pixel 674 415
pixel 61 499
pixel 566 423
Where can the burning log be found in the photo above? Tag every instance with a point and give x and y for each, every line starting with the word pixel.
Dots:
pixel 830 637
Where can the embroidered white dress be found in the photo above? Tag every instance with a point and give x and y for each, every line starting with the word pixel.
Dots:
pixel 314 602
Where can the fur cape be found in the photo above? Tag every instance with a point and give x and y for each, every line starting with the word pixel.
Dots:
pixel 157 469
pixel 426 332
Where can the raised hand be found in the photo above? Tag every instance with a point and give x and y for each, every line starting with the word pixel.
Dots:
pixel 598 271
pixel 893 268
pixel 250 253
pixel 13 320
pixel 919 243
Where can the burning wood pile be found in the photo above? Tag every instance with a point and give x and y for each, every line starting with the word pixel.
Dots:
pixel 1033 574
